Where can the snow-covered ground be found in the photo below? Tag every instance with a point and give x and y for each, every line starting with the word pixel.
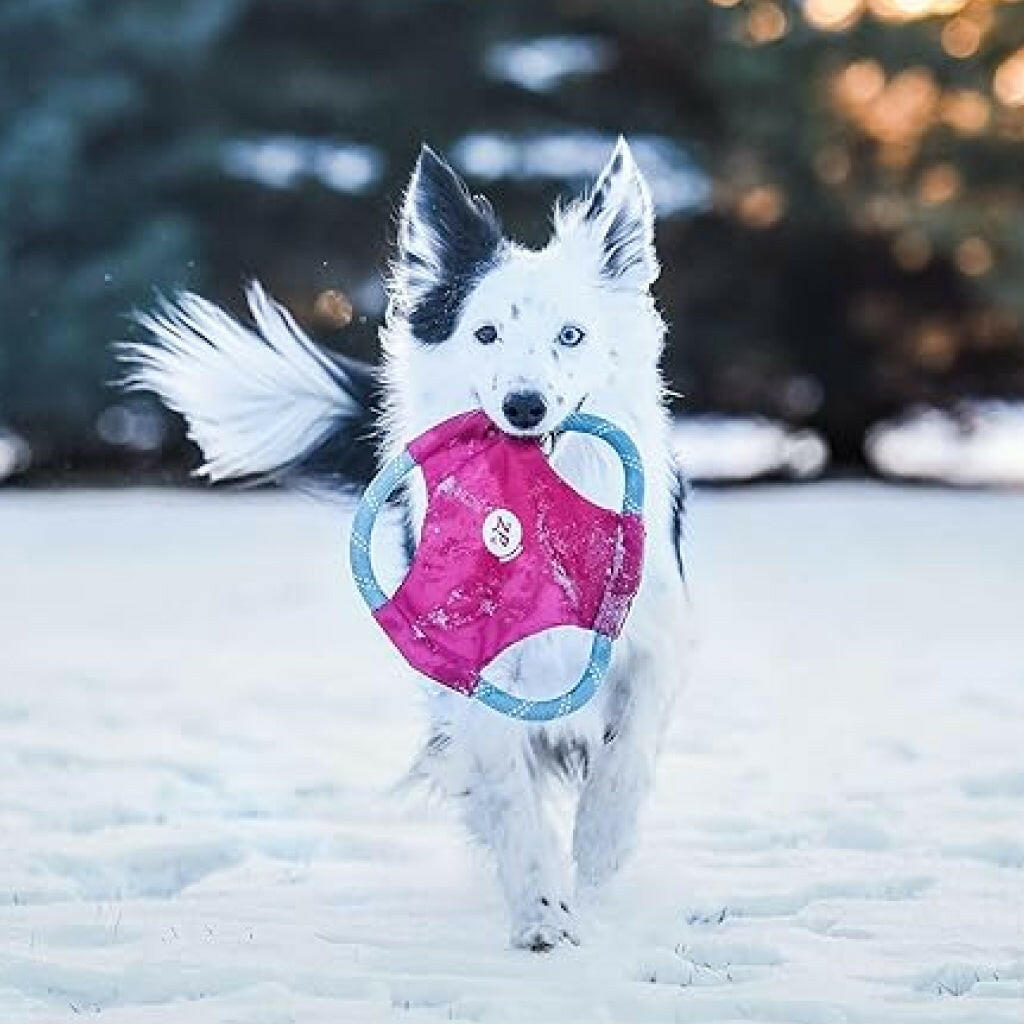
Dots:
pixel 199 727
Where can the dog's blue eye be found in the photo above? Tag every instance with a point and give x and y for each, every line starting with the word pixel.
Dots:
pixel 486 335
pixel 571 335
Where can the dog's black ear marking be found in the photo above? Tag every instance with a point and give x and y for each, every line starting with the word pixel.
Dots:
pixel 447 240
pixel 623 245
pixel 598 201
pixel 619 217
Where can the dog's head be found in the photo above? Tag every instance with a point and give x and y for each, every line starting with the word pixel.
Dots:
pixel 528 335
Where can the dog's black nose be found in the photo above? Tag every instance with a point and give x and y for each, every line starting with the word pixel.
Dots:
pixel 524 409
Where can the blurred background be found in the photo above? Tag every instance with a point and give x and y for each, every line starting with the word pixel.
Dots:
pixel 839 184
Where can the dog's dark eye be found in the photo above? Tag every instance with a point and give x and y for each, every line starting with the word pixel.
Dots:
pixel 486 335
pixel 571 335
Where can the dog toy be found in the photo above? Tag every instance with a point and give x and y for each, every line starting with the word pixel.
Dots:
pixel 508 549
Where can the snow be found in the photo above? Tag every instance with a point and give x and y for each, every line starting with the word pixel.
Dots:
pixel 15 454
pixel 978 443
pixel 200 728
pixel 677 184
pixel 731 448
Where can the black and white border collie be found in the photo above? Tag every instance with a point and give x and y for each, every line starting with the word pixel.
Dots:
pixel 476 321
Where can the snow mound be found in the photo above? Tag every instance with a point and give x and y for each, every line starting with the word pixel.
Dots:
pixel 15 454
pixel 733 448
pixel 978 443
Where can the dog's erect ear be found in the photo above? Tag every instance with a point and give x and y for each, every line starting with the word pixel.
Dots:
pixel 447 239
pixel 616 220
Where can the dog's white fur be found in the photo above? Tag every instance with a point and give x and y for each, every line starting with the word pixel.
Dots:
pixel 257 401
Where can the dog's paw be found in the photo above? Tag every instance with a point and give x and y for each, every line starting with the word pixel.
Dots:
pixel 548 924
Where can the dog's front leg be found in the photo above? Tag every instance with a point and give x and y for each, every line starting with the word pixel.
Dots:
pixel 503 809
pixel 620 779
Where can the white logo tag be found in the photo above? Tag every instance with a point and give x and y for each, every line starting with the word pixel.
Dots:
pixel 503 534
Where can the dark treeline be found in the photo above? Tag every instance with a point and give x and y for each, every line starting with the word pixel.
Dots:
pixel 841 193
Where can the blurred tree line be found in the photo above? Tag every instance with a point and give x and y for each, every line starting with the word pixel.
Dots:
pixel 861 247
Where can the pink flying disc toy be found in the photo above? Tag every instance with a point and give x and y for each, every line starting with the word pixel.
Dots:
pixel 508 549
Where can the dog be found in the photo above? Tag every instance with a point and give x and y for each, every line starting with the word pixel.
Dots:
pixel 474 320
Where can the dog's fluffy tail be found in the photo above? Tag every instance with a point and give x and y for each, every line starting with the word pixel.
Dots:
pixel 262 402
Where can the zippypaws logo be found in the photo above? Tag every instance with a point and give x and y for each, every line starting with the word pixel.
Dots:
pixel 503 534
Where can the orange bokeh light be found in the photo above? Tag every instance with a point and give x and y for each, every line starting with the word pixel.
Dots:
pixel 860 83
pixel 966 110
pixel 901 10
pixel 766 22
pixel 1008 81
pixel 762 206
pixel 961 38
pixel 896 114
pixel 974 256
pixel 833 15
pixel 935 345
pixel 939 184
pixel 915 10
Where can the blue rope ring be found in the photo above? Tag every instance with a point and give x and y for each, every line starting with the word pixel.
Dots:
pixel 387 481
